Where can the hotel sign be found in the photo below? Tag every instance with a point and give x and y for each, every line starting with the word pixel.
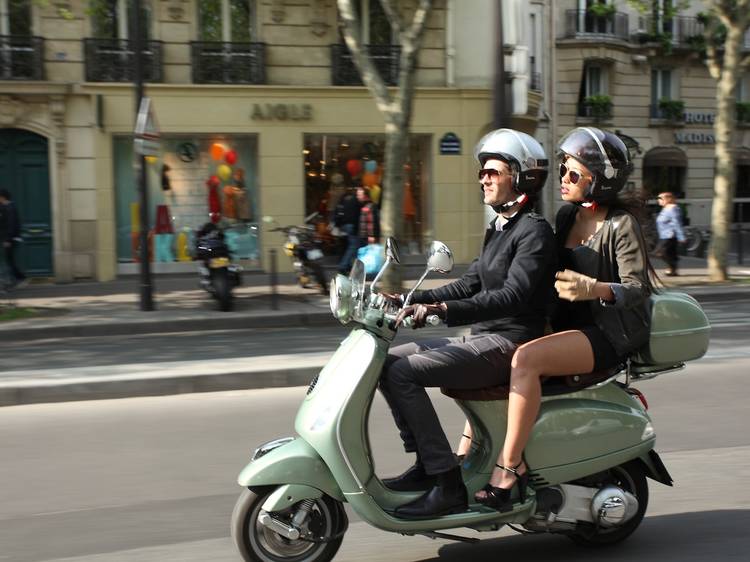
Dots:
pixel 694 138
pixel 281 112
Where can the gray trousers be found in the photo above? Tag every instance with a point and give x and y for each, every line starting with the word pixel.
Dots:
pixel 462 362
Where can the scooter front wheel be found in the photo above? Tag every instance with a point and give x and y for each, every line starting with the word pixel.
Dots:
pixel 321 537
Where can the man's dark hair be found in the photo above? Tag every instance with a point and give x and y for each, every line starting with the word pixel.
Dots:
pixel 5 193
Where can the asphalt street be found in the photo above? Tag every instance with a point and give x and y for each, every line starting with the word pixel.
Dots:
pixel 153 479
pixel 728 316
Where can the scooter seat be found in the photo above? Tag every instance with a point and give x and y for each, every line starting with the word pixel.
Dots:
pixel 551 386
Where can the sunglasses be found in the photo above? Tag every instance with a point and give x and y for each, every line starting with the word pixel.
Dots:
pixel 572 174
pixel 492 173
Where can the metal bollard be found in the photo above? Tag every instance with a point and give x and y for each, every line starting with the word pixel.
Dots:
pixel 739 243
pixel 273 279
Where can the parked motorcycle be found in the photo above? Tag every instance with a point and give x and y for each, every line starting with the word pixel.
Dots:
pixel 305 249
pixel 589 455
pixel 218 275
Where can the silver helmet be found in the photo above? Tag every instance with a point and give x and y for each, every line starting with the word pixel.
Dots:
pixel 522 152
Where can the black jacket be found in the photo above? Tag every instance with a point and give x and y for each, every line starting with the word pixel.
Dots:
pixel 10 224
pixel 347 211
pixel 509 288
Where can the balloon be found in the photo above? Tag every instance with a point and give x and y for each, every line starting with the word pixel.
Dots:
pixel 224 171
pixel 217 151
pixel 371 166
pixel 151 159
pixel 354 167
pixel 213 181
pixel 369 180
pixel 230 157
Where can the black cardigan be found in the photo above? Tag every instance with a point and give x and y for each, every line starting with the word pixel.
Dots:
pixel 508 289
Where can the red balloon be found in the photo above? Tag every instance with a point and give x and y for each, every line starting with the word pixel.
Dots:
pixel 354 167
pixel 213 181
pixel 230 157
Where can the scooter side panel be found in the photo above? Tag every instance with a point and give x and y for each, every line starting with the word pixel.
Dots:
pixel 294 463
pixel 333 416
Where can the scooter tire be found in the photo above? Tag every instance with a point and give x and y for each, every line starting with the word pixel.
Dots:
pixel 631 477
pixel 256 543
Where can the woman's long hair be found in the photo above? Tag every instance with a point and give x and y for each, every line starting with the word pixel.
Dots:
pixel 633 201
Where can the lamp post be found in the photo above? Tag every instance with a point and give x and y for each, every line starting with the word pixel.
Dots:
pixel 146 293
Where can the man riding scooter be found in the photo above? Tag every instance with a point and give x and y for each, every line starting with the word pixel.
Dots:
pixel 504 294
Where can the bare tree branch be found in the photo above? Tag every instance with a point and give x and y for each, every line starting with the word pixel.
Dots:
pixel 416 30
pixel 393 17
pixel 370 76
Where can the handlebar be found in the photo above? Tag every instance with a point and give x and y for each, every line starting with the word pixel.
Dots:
pixel 432 320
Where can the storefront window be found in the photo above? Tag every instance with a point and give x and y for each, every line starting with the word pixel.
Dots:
pixel 195 180
pixel 336 162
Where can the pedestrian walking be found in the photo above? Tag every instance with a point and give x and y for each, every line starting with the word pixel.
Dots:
pixel 669 226
pixel 346 219
pixel 369 218
pixel 10 237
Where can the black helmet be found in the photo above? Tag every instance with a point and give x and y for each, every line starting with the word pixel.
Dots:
pixel 604 154
pixel 522 152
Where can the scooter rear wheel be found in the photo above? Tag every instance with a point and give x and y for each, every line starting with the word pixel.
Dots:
pixel 258 543
pixel 631 478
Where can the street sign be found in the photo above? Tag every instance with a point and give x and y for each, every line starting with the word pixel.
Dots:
pixel 450 144
pixel 147 135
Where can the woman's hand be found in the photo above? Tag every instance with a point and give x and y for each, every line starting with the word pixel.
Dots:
pixel 420 312
pixel 574 286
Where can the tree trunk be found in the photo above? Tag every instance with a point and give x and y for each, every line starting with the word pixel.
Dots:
pixel 722 208
pixel 392 215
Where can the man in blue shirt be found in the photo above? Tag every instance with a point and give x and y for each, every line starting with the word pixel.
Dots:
pixel 669 226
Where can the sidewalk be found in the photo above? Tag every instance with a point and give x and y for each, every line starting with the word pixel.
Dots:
pixel 100 309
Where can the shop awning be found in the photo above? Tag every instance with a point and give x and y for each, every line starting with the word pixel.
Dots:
pixel 670 156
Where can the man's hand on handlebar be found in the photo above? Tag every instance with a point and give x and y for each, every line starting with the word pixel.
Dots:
pixel 420 312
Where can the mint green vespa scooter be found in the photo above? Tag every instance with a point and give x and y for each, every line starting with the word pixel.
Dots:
pixel 590 452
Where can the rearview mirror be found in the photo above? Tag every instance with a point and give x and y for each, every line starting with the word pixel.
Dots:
pixel 439 258
pixel 391 249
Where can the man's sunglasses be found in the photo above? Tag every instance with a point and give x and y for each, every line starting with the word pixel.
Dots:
pixel 492 173
pixel 572 174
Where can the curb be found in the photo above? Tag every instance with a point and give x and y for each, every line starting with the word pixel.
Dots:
pixel 142 382
pixel 81 329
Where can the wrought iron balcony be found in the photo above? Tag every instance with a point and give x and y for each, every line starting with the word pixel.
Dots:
pixel 679 31
pixel 584 23
pixel 21 58
pixel 535 83
pixel 345 73
pixel 216 62
pixel 673 112
pixel 111 60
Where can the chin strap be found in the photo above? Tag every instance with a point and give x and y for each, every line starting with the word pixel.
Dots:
pixel 521 201
pixel 590 205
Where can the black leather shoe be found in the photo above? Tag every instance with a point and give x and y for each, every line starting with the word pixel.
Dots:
pixel 437 501
pixel 415 479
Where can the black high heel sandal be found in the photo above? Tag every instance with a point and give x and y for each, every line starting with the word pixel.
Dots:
pixel 499 498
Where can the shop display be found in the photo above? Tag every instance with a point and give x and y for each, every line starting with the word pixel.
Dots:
pixel 185 193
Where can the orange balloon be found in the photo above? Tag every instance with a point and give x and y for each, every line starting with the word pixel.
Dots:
pixel 369 179
pixel 217 151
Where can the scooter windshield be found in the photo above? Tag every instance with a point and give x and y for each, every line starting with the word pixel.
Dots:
pixel 357 276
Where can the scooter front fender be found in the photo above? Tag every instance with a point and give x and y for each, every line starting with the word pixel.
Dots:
pixel 294 463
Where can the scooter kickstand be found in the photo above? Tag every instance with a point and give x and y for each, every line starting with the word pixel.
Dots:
pixel 436 535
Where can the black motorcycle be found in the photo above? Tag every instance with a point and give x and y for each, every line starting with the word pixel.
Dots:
pixel 218 275
pixel 304 247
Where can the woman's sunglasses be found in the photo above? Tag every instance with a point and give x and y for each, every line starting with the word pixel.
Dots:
pixel 492 173
pixel 572 174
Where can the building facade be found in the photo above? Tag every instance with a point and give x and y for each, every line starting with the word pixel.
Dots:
pixel 642 75
pixel 261 115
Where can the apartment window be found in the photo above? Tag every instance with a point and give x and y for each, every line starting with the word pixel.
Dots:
pixel 661 85
pixel 743 89
pixel 594 80
pixel 111 19
pixel 226 20
pixel 15 18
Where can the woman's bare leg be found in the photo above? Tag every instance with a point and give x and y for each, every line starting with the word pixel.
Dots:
pixel 564 353
pixel 465 444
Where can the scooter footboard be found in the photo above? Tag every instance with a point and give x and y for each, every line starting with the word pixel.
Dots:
pixel 293 463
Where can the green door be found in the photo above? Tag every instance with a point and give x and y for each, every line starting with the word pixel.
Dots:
pixel 24 171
